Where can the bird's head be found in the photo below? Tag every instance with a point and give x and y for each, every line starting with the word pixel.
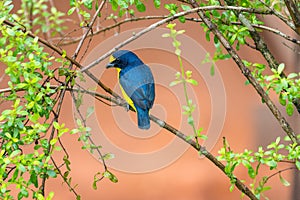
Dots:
pixel 122 59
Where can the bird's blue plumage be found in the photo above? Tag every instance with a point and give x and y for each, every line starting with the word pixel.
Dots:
pixel 137 81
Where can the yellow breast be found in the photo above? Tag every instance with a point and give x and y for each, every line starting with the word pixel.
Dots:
pixel 126 97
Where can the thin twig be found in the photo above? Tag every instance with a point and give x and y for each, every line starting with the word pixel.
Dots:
pixel 261 46
pixel 246 72
pixel 294 13
pixel 280 16
pixel 166 20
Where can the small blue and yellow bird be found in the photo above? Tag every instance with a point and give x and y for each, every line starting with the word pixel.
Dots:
pixel 136 83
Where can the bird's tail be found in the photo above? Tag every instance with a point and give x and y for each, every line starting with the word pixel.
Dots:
pixel 143 118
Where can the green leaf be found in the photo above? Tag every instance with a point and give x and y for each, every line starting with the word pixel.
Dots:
pixel 110 176
pixel 203 137
pixel 173 83
pixel 192 81
pixel 185 7
pixel 216 40
pixel 165 35
pixel 108 156
pixel 72 3
pixel 190 120
pixel 88 4
pixel 289 108
pixel 140 7
pixel 212 69
pixel 207 36
pixel 280 68
pixel 283 181
pixel 53 141
pixel 33 179
pixel 71 10
pixel 181 19
pixel 272 164
pixel 292 75
pixel 90 111
pixel 10 32
pixel 51 173
pixel 56 125
pixel 298 164
pixel 282 99
pixel 156 3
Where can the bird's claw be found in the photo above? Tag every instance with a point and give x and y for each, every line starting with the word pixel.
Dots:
pixel 127 107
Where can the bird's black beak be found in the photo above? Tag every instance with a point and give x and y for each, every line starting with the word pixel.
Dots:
pixel 110 65
pixel 111 62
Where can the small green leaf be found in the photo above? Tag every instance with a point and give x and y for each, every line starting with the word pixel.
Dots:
pixel 289 109
pixel 292 75
pixel 283 181
pixel 298 164
pixel 173 83
pixel 156 3
pixel 203 137
pixel 216 40
pixel 71 10
pixel 190 120
pixel 56 125
pixel 51 173
pixel 192 81
pixel 282 99
pixel 33 179
pixel 90 111
pixel 110 176
pixel 10 32
pixel 140 7
pixel 280 68
pixel 178 52
pixel 212 69
pixel 165 35
pixel 88 4
pixel 207 36
pixel 53 141
pixel 181 19
pixel 185 7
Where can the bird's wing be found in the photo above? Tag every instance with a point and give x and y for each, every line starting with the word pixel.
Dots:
pixel 138 83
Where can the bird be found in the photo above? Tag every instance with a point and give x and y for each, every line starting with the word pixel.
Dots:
pixel 136 82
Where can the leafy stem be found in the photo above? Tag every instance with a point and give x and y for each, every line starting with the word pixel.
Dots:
pixel 184 77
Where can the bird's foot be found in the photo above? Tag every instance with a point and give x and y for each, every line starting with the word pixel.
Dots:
pixel 127 107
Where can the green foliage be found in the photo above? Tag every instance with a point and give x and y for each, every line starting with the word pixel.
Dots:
pixel 184 77
pixel 26 65
pixel 129 6
pixel 287 87
pixel 275 153
pixel 31 131
pixel 36 15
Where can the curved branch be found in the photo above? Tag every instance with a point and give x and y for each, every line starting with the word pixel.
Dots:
pixel 295 13
pixel 280 16
pixel 166 20
pixel 261 46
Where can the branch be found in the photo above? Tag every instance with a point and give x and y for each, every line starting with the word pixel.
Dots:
pixel 272 30
pixel 166 20
pixel 294 12
pixel 246 72
pixel 280 16
pixel 261 46
pixel 279 172
pixel 89 29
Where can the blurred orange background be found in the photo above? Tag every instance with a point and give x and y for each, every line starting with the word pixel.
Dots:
pixel 248 123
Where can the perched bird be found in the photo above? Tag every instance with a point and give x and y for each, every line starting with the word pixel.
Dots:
pixel 136 83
